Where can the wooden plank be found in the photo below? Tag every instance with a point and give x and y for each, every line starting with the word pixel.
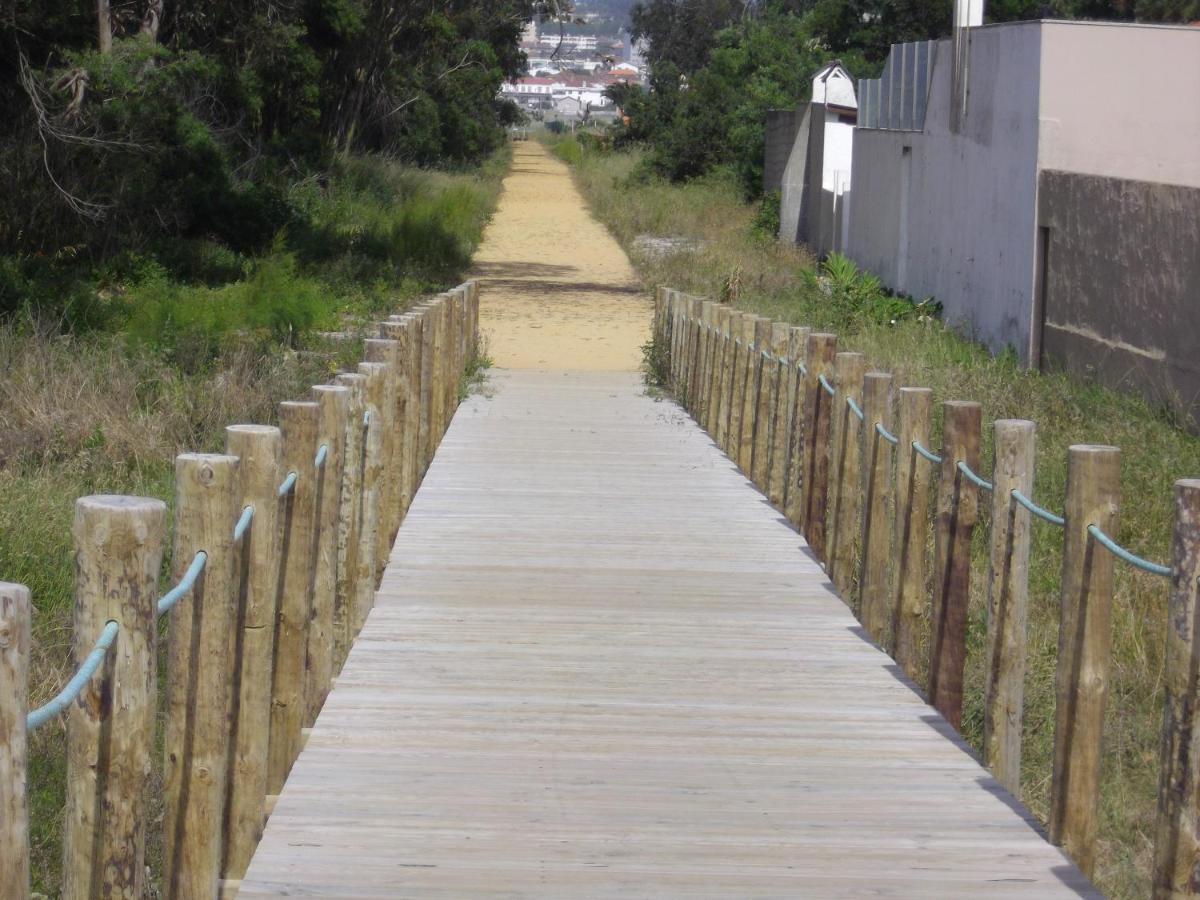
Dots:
pixel 600 665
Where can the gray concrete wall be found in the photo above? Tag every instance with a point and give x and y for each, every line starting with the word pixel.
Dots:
pixel 781 127
pixel 1122 284
pixel 811 204
pixel 958 217
pixel 794 180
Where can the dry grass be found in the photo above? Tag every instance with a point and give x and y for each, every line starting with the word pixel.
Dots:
pixel 768 278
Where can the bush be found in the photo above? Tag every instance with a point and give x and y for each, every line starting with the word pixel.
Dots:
pixel 856 297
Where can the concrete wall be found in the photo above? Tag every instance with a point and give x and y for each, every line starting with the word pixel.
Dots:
pixel 794 180
pixel 1122 284
pixel 781 128
pixel 955 218
pixel 1121 100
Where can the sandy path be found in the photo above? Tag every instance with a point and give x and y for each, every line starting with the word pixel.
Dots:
pixel 557 291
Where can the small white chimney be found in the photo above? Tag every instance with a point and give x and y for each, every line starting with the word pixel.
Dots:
pixel 968 14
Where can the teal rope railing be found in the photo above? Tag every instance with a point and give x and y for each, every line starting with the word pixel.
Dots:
pixel 243 522
pixel 976 480
pixel 168 600
pixel 287 484
pixel 854 407
pixel 886 435
pixel 829 388
pixel 79 680
pixel 927 453
pixel 1121 553
pixel 322 452
pixel 1040 511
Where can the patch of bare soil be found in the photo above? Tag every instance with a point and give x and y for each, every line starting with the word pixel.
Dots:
pixel 557 291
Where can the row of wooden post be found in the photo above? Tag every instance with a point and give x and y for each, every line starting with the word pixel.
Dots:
pixel 255 645
pixel 863 505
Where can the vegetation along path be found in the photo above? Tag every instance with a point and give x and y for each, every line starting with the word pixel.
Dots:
pixel 600 664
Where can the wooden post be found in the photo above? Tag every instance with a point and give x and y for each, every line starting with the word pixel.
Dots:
pixel 877 501
pixel 388 353
pixel 760 340
pixel 1008 601
pixel 437 397
pixel 368 564
pixel 660 313
pixel 708 317
pixel 401 333
pixel 110 727
pixel 1177 834
pixel 788 417
pixel 957 505
pixel 735 363
pixel 813 467
pixel 14 688
pixel 333 405
pixel 911 528
pixel 257 448
pixel 845 471
pixel 722 382
pixel 424 404
pixel 696 332
pixel 198 684
pixel 350 518
pixel 766 418
pixel 1084 648
pixel 299 424
pixel 742 368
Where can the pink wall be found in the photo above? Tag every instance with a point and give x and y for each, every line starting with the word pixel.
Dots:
pixel 1121 100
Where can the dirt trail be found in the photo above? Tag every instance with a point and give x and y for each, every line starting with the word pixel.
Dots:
pixel 557 292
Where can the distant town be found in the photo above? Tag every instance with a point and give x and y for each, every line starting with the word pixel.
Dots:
pixel 571 65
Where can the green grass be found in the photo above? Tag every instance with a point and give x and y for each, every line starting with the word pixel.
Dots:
pixel 729 261
pixel 179 345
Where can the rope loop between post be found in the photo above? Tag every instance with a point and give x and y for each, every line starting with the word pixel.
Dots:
pixel 73 688
pixel 243 522
pixel 886 435
pixel 855 408
pixel 976 480
pixel 322 453
pixel 1040 511
pixel 1121 553
pixel 168 600
pixel 828 388
pixel 287 484
pixel 927 453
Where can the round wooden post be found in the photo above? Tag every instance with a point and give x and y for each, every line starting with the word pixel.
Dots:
pixel 734 361
pixel 911 527
pixel 765 420
pixel 425 404
pixel 708 318
pixel 350 518
pixel 696 338
pixel 401 333
pixel 1177 834
pixel 756 332
pixel 333 404
pixel 1084 650
pixel 957 506
pixel 845 471
pixel 110 727
pixel 760 341
pixel 198 668
pixel 257 448
pixel 298 423
pixel 1008 601
pixel 388 353
pixel 660 313
pixel 877 501
pixel 14 688
pixel 368 562
pixel 722 376
pixel 788 418
pixel 814 464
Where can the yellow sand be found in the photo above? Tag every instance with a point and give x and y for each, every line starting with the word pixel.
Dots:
pixel 556 292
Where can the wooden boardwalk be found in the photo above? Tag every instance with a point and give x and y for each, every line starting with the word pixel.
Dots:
pixel 600 664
